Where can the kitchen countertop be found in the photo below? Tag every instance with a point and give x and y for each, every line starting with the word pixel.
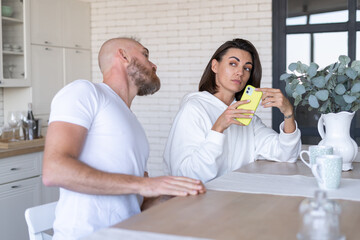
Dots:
pixel 4 153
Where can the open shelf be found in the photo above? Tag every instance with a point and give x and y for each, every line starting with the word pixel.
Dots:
pixel 13 53
pixel 13 45
pixel 11 20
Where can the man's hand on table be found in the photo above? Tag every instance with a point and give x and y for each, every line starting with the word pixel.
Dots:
pixel 171 185
pixel 160 189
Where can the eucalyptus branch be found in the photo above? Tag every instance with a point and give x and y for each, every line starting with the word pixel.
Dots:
pixel 335 88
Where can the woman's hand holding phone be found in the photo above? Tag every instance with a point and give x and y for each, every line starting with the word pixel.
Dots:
pixel 229 116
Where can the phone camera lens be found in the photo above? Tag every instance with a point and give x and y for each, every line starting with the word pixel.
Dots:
pixel 247 92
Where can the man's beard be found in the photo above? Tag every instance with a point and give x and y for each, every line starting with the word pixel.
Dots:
pixel 145 79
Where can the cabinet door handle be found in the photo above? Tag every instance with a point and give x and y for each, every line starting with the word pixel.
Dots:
pixel 77 51
pixel 77 45
pixel 48 49
pixel 15 186
pixel 14 169
pixel 47 42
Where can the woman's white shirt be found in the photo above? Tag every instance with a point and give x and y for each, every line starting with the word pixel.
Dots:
pixel 194 150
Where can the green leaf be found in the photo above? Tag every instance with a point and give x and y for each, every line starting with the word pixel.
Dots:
pixel 331 84
pixel 294 83
pixel 312 69
pixel 301 67
pixel 288 90
pixel 313 101
pixel 319 81
pixel 297 100
pixel 324 106
pixel 357 95
pixel 345 60
pixel 285 76
pixel 341 69
pixel 355 88
pixel 349 99
pixel 351 73
pixel 356 65
pixel 340 89
pixel 300 89
pixel 339 100
pixel 333 67
pixel 328 76
pixel 342 78
pixel 347 107
pixel 322 95
pixel 355 107
pixel 292 66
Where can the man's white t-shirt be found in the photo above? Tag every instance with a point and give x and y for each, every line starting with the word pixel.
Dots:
pixel 115 142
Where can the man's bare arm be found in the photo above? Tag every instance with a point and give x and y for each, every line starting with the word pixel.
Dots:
pixel 61 167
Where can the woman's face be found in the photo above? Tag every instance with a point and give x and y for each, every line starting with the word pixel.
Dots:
pixel 233 71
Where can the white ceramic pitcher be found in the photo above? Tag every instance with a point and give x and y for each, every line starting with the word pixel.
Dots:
pixel 337 126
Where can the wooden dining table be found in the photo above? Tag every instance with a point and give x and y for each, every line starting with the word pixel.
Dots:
pixel 235 215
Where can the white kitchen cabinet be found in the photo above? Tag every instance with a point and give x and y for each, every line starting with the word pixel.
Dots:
pixel 46 22
pixel 14 42
pixel 62 23
pixel 21 188
pixel 60 47
pixel 15 198
pixel 77 64
pixel 76 24
pixel 53 68
pixel 48 78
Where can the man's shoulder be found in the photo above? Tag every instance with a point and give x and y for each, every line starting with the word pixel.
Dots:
pixel 78 89
pixel 83 87
pixel 80 83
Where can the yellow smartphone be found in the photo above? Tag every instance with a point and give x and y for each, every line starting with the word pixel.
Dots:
pixel 254 97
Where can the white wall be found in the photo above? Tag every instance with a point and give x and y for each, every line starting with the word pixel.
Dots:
pixel 181 35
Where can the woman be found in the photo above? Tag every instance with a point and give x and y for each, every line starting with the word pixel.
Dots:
pixel 206 141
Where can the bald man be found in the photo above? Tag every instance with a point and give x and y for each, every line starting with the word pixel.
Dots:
pixel 96 150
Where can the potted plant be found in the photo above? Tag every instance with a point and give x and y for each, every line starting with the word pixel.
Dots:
pixel 333 91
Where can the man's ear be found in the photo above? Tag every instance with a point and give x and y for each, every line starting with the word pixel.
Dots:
pixel 123 55
pixel 214 65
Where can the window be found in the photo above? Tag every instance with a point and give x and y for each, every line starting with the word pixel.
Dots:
pixel 313 31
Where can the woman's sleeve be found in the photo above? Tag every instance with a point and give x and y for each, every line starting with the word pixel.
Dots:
pixel 193 148
pixel 270 145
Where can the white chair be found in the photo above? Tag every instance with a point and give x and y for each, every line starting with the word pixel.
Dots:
pixel 39 219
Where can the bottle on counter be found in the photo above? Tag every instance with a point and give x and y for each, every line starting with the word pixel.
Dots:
pixel 31 122
pixel 30 115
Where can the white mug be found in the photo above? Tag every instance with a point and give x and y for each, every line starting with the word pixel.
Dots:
pixel 314 152
pixel 327 171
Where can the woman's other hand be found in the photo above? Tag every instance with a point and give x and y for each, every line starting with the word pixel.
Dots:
pixel 275 98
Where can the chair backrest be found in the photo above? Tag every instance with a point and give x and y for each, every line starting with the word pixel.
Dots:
pixel 39 219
